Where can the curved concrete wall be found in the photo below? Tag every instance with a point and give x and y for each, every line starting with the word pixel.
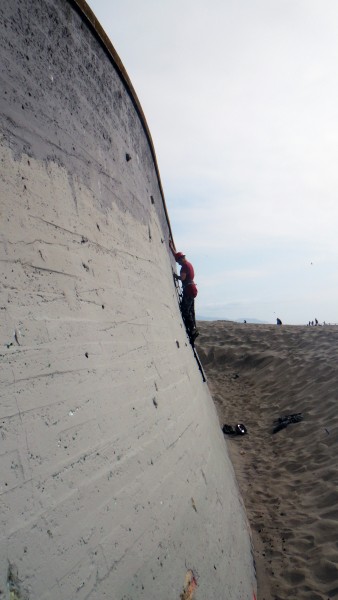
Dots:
pixel 115 480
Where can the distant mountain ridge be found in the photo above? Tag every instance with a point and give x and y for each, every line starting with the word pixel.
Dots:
pixel 239 320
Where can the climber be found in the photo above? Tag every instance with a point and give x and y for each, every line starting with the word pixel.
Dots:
pixel 186 277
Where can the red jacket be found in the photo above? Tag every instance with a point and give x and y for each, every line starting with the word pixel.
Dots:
pixel 189 287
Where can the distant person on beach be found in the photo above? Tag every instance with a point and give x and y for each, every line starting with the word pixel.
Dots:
pixel 279 322
pixel 186 277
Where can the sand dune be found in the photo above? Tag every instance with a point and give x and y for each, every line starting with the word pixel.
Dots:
pixel 289 480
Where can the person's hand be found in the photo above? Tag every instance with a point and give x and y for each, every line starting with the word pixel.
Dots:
pixel 176 277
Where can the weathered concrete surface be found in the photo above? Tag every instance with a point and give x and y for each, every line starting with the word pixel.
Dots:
pixel 115 480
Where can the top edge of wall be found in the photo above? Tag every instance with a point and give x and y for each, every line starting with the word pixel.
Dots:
pixel 89 17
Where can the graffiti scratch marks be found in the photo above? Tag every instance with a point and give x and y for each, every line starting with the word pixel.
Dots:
pixel 190 586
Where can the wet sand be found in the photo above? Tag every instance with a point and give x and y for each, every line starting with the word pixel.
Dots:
pixel 288 480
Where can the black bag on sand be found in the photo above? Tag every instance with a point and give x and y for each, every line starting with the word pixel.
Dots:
pixel 283 422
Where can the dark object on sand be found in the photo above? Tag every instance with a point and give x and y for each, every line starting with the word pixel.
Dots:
pixel 283 422
pixel 239 429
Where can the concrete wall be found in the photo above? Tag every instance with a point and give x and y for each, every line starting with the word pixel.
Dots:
pixel 115 479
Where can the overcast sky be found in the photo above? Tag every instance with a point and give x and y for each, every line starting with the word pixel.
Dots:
pixel 241 98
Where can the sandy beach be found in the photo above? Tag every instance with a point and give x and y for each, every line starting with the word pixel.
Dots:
pixel 289 479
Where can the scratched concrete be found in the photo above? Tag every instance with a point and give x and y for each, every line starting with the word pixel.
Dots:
pixel 115 478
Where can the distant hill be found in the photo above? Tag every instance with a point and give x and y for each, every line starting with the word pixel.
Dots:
pixel 203 318
pixel 240 320
pixel 251 320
